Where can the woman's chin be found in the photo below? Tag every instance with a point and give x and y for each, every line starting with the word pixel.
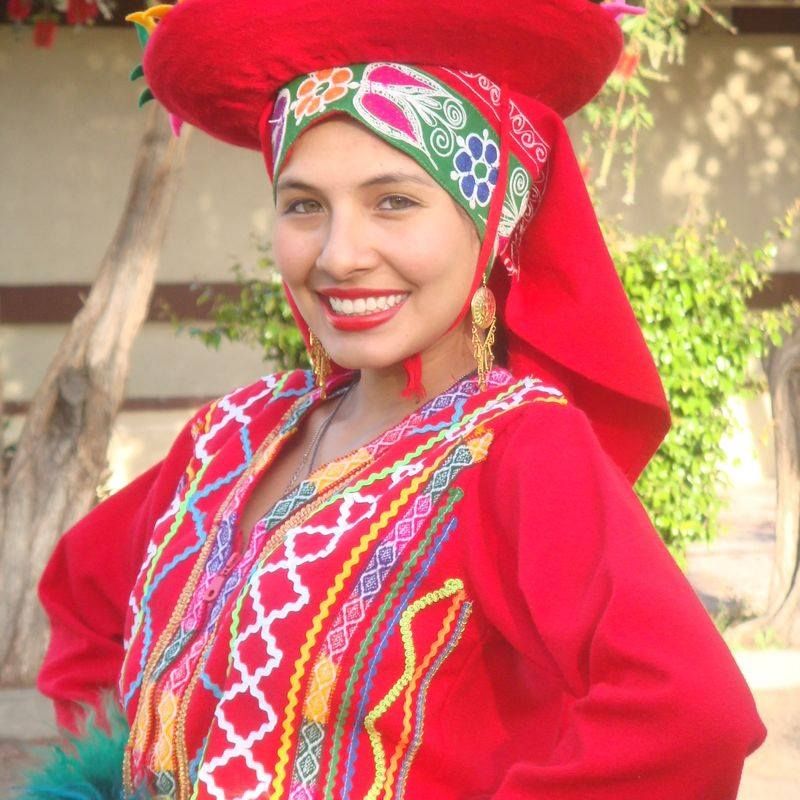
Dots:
pixel 373 361
pixel 372 365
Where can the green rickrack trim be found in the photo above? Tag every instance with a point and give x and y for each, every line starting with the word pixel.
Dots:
pixel 453 497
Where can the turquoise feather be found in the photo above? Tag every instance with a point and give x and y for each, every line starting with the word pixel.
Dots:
pixel 87 767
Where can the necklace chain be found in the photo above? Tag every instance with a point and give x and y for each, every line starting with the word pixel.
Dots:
pixel 310 454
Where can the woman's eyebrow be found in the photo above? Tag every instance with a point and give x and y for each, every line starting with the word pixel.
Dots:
pixel 293 183
pixel 397 177
pixel 378 180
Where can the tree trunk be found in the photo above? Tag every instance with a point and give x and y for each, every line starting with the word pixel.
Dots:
pixel 783 370
pixel 781 621
pixel 61 453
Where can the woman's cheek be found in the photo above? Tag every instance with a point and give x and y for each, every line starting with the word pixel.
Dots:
pixel 292 255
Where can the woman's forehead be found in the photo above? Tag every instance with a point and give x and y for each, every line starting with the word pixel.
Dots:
pixel 342 147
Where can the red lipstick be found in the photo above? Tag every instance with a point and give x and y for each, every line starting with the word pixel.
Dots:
pixel 357 322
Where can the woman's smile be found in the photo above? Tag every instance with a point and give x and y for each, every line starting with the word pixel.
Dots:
pixel 360 309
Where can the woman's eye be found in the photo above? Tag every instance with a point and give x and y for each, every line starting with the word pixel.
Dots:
pixel 396 202
pixel 303 207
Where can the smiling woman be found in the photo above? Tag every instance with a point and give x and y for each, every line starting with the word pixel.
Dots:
pixel 419 570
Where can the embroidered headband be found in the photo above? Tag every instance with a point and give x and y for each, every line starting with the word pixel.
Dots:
pixel 420 115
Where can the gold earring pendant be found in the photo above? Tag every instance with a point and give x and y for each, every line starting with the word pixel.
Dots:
pixel 484 326
pixel 320 361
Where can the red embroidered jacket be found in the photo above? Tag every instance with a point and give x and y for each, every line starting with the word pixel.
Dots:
pixel 473 605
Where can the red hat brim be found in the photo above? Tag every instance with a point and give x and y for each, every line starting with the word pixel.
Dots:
pixel 219 63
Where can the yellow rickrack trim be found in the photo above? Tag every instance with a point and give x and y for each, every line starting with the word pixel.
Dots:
pixel 324 611
pixel 451 587
pixel 405 736
pixel 149 18
pixel 461 623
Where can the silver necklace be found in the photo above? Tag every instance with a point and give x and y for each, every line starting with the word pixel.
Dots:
pixel 310 455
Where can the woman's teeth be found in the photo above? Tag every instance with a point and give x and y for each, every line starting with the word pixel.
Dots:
pixel 365 305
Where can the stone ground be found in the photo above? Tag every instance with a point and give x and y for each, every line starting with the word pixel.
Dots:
pixel 731 577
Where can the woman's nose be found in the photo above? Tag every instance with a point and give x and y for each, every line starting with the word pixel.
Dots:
pixel 345 249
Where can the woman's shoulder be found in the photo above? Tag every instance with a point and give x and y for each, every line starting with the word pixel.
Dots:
pixel 543 434
pixel 529 409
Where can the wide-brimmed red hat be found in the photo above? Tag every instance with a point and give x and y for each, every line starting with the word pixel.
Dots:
pixel 218 63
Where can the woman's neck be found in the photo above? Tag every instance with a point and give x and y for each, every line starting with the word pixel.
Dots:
pixel 377 400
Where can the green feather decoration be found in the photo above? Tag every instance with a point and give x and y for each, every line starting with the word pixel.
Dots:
pixel 145 97
pixel 87 767
pixel 142 33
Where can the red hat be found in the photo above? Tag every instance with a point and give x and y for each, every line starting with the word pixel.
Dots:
pixel 565 315
pixel 217 63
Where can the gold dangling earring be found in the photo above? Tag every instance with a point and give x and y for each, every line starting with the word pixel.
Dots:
pixel 484 325
pixel 320 361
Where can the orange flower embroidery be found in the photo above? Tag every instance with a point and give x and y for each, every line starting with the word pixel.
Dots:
pixel 321 88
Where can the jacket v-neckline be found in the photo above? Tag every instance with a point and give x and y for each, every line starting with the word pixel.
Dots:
pixel 305 491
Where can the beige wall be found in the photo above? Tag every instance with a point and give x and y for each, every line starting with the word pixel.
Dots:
pixel 163 364
pixel 727 132
pixel 70 125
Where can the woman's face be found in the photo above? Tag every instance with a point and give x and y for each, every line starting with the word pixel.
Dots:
pixel 378 257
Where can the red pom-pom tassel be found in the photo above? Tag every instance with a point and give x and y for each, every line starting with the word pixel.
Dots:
pixel 414 387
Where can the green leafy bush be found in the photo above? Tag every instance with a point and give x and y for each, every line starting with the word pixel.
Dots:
pixel 690 295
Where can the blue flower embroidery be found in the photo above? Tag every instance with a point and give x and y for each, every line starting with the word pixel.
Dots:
pixel 476 168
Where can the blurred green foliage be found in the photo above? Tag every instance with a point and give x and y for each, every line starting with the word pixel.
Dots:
pixel 260 316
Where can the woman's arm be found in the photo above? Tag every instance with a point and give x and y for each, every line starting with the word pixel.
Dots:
pixel 657 707
pixel 84 591
pixel 86 586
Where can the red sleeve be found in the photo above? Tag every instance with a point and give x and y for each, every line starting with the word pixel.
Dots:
pixel 86 585
pixel 658 708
